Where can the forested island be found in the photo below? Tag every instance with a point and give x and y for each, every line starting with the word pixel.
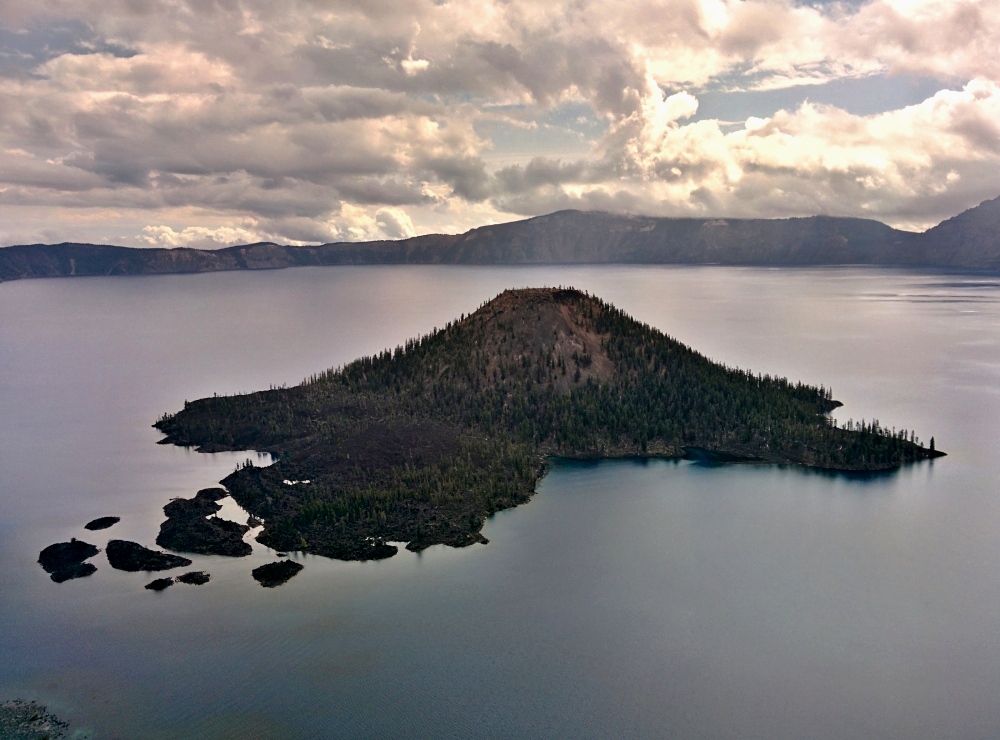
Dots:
pixel 422 443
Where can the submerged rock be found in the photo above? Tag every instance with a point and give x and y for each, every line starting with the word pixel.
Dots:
pixel 64 560
pixel 275 574
pixel 102 522
pixel 159 584
pixel 189 529
pixel 194 577
pixel 133 557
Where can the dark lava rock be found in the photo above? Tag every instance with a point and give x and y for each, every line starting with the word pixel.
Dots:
pixel 64 560
pixel 188 529
pixel 159 584
pixel 133 557
pixel 195 577
pixel 274 574
pixel 28 720
pixel 102 522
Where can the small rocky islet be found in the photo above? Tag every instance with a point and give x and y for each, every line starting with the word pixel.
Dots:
pixel 421 444
pixel 133 557
pixel 194 578
pixel 64 561
pixel 190 527
pixel 275 574
pixel 183 529
pixel 102 522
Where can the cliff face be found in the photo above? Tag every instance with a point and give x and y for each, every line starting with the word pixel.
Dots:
pixel 970 240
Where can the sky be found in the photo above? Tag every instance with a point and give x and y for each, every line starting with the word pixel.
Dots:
pixel 206 123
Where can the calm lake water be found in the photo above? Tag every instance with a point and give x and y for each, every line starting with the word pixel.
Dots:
pixel 628 599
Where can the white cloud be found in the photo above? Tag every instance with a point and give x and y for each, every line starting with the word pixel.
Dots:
pixel 394 223
pixel 905 165
pixel 198 236
pixel 302 121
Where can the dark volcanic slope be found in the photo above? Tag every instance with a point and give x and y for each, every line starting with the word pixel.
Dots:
pixel 969 241
pixel 421 444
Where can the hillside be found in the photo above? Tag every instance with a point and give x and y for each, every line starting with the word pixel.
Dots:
pixel 422 443
pixel 968 241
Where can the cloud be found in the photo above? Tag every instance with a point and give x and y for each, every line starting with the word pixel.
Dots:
pixel 198 236
pixel 394 223
pixel 314 121
pixel 914 166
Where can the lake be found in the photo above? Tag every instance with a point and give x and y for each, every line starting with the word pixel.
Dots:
pixel 627 599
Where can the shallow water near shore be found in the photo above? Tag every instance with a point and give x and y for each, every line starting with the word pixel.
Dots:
pixel 627 599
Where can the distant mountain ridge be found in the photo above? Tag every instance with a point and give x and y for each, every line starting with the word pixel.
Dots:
pixel 970 241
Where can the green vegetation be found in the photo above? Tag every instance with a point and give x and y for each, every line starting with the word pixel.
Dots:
pixel 422 443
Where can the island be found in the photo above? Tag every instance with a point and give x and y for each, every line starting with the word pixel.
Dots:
pixel 64 561
pixel 102 522
pixel 159 584
pixel 133 557
pixel 273 575
pixel 422 443
pixel 194 578
pixel 190 527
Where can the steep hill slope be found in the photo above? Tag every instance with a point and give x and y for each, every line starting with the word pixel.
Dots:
pixel 969 240
pixel 422 443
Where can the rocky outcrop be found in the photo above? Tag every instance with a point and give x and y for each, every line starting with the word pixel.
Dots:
pixel 28 720
pixel 194 578
pixel 64 561
pixel 275 574
pixel 190 527
pixel 102 522
pixel 133 557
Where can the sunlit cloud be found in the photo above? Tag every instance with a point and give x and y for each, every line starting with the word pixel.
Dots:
pixel 301 122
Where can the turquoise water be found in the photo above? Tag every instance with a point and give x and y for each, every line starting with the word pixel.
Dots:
pixel 627 599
